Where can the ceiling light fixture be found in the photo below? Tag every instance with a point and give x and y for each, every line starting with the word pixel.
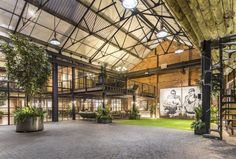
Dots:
pixel 130 4
pixel 121 69
pixel 179 51
pixel 55 41
pixel 162 33
pixel 32 13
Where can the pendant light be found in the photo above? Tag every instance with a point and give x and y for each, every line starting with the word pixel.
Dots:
pixel 130 4
pixel 161 33
pixel 54 40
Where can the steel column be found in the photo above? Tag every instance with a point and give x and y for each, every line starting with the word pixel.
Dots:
pixel 72 93
pixel 206 87
pixel 55 92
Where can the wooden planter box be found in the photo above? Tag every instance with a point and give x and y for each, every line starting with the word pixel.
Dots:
pixel 31 124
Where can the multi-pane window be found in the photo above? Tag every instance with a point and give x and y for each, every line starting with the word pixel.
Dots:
pixel 116 105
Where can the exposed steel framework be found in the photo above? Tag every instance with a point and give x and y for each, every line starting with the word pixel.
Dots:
pixel 94 31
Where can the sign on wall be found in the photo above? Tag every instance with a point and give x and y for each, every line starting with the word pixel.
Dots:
pixel 180 101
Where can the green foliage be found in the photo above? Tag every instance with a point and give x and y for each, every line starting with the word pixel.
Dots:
pixel 214 113
pixel 21 114
pixel 198 113
pixel 27 64
pixel 134 113
pixel 152 108
pixel 198 124
pixel 103 71
pixel 103 114
pixel 215 88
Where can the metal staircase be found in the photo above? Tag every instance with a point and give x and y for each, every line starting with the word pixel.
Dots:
pixel 226 97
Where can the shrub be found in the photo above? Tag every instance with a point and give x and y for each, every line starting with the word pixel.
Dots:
pixel 214 113
pixel 198 123
pixel 134 113
pixel 21 114
pixel 103 114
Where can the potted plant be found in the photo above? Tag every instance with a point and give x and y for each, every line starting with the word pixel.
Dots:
pixel 103 115
pixel 103 74
pixel 152 110
pixel 134 113
pixel 28 65
pixel 29 119
pixel 198 125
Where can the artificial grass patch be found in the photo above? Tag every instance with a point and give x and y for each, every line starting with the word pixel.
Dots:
pixel 161 122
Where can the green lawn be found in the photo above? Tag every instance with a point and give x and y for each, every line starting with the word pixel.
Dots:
pixel 166 123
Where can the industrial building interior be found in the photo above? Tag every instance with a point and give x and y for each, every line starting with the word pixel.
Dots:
pixel 148 49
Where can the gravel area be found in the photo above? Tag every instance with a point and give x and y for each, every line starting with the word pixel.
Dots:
pixel 88 140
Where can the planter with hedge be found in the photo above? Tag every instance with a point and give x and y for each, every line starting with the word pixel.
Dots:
pixel 28 64
pixel 134 114
pixel 103 115
pixel 29 119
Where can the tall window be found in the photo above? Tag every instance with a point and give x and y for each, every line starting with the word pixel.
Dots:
pixel 97 103
pixel 116 104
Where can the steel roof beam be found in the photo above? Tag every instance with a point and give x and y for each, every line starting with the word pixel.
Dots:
pixel 84 29
pixel 109 20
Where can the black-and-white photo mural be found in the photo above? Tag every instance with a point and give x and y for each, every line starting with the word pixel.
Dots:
pixel 175 102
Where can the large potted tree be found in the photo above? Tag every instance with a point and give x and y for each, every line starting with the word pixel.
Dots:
pixel 28 65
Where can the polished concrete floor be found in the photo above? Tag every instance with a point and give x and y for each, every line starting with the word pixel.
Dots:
pixel 88 140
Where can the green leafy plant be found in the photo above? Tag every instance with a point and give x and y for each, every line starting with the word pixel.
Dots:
pixel 214 113
pixel 21 114
pixel 215 88
pixel 152 108
pixel 134 113
pixel 27 64
pixel 103 114
pixel 103 74
pixel 103 70
pixel 198 123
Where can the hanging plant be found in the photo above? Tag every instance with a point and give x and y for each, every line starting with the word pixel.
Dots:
pixel 27 64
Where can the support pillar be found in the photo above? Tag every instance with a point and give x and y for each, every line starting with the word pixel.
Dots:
pixel 8 102
pixel 55 92
pixel 134 100
pixel 206 86
pixel 103 100
pixel 72 93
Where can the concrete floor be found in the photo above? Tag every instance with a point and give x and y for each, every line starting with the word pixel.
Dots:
pixel 88 140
